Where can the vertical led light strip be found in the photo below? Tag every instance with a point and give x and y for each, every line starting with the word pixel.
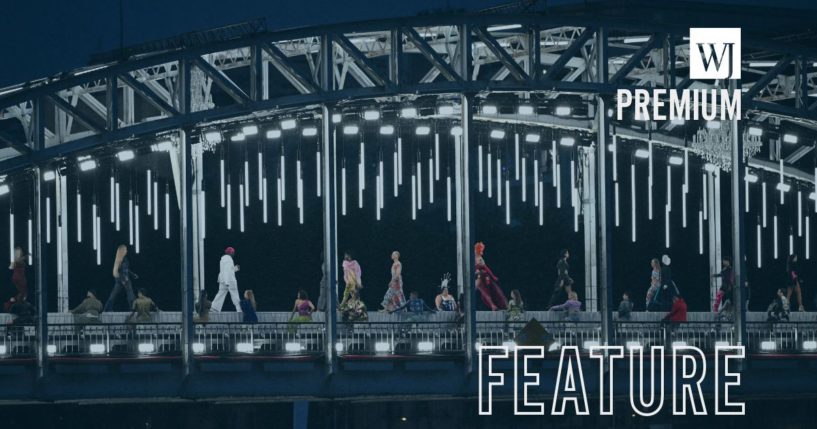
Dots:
pixel 791 241
pixel 241 197
pixel 48 220
pixel 149 183
pixel 30 237
pixel 318 173
pixel 685 189
pixel 650 181
pixel 479 165
pixel 246 181
pixel 558 185
pixel 507 201
pixel 118 214
pixel 361 178
pixel 94 230
pixel 11 234
pixel 136 225
pixel 448 195
pixel 618 210
pixel 300 193
pixel 669 187
pixel 413 196
pixel 343 188
pixel 112 196
pixel 266 199
pixel 377 196
pixel 573 183
pixel 666 225
pixel 279 197
pixel 759 245
pixel 776 238
pixel 399 161
pixel 382 192
pixel 536 180
pixel 419 172
pixel 808 239
pixel 632 201
pixel 362 166
pixel 763 202
pixel 98 241
pixel 799 213
pixel 202 216
pixel 283 174
pixel 167 213
pixel 555 161
pixel 436 160
pixel 261 174
pixel 155 204
pixel 524 179
pixel 516 154
pixel 705 194
pixel 229 206
pixel 130 218
pixel 542 204
pixel 222 189
pixel 79 213
pixel 431 175
pixel 498 180
pixel 394 173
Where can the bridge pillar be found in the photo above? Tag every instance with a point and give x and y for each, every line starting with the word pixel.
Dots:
pixel 713 209
pixel 588 202
pixel 61 183
pixel 330 251
pixel 186 248
pixel 465 229
pixel 738 227
pixel 300 415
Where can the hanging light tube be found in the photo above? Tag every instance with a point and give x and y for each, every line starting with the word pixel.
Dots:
pixel 11 235
pixel 377 197
pixel 246 182
pixel 283 174
pixel 113 193
pixel 759 245
pixel 229 206
pixel 507 201
pixel 573 183
pixel 202 215
pixel 776 239
pixel 524 180
pixel 265 199
pixel 431 175
pixel 632 201
pixel 300 193
pixel 130 220
pixel 361 182
pixel 808 239
pixel 498 180
pixel 261 174
pixel 614 154
pixel 318 173
pixel 541 203
pixel 136 226
pixel 413 196
pixel 48 220
pixel 516 154
pixel 490 177
pixel 448 195
pixel 649 180
pixel 763 202
pixel 419 184
pixel 221 177
pixel 791 241
pixel 394 173
pixel 618 211
pixel 799 213
pixel 558 185
pixel 79 215
pixel 536 180
pixel 436 157
pixel 555 162
pixel 669 187
pixel 149 190
pixel 685 189
pixel 98 242
pixel 280 199
pixel 30 237
pixel 666 226
pixel 241 207
pixel 167 212
pixel 343 189
pixel 362 166
pixel 382 181
pixel 94 230
pixel 705 194
pixel 479 165
pixel 118 216
pixel 399 161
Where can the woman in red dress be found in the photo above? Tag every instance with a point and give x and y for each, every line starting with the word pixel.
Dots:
pixel 487 283
pixel 18 273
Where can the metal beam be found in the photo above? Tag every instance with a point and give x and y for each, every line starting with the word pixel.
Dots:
pixel 738 227
pixel 360 59
pixel 604 196
pixel 330 220
pixel 655 39
pixel 569 53
pixel 466 230
pixel 10 142
pixel 40 253
pixel 186 239
pixel 73 112
pixel 303 84
pixel 501 54
pixel 148 94
pixel 223 82
pixel 764 80
pixel 431 55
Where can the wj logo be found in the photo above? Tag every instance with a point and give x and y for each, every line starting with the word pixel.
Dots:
pixel 714 53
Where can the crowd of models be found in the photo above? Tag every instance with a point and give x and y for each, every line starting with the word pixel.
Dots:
pixel 662 294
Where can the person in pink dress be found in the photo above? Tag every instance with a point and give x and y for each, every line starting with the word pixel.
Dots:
pixel 394 297
pixel 351 275
pixel 487 283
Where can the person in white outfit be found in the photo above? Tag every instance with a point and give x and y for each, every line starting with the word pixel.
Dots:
pixel 227 282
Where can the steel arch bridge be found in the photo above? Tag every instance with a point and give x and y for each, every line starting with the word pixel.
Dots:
pixel 185 89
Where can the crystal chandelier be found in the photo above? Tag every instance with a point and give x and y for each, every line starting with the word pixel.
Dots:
pixel 715 146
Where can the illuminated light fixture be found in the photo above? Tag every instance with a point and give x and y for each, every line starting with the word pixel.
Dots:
pixel 679 121
pixel 237 137
pixel 408 112
pixel 146 348
pixel 88 164
pixel 510 345
pixel 563 110
pixel 163 146
pixel 504 27
pixel 809 346
pixel 213 137
pixel 762 63
pixel 750 178
pixel 489 109
pixel 292 347
pixel 632 345
pixel 273 134
pixel 710 167
pixel 638 39
pixel 425 347
pixel 244 347
pixel 4 189
pixel 371 115
pixel 288 124
pixel 309 132
pixel 812 196
pixel 456 131
pixel 381 347
pixel 51 349
pixel 755 131
pixel 336 118
pixel 676 160
pixel 198 348
pixel 423 130
pixel 678 344
pixel 97 349
pixel 589 344
pixel 339 347
pixel 713 125
pixel 567 141
pixel 532 138
pixel 526 109
pixel 642 153
pixel 446 109
pixel 249 130
pixel 722 344
pixel 387 130
pixel 790 138
pixel 3 349
pixel 783 187
pixel 768 346
pixel 125 155
pixel 497 134
pixel 49 175
pixel 350 130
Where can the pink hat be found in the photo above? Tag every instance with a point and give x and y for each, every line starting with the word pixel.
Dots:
pixel 229 251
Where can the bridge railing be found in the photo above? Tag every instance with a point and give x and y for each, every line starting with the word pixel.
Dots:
pixel 400 338
pixel 305 338
pixel 18 341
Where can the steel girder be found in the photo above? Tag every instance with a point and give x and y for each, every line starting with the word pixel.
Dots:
pixel 382 59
